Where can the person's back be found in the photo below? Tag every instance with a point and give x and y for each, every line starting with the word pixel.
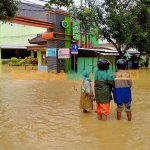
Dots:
pixel 86 101
pixel 102 87
pixel 122 79
pixel 122 89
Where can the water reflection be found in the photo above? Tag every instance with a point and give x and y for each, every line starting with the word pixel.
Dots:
pixel 45 115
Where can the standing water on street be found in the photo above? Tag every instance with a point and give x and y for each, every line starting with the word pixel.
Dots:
pixel 45 115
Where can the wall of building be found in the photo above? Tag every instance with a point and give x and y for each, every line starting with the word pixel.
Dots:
pixel 90 63
pixel 18 34
pixel 86 63
pixel 112 59
pixel 76 30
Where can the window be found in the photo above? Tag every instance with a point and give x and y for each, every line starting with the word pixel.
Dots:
pixel 44 60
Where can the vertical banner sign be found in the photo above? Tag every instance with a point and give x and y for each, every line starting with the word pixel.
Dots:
pixel 51 52
pixel 74 48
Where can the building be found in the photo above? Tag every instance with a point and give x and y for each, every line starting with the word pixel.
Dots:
pixel 87 58
pixel 14 37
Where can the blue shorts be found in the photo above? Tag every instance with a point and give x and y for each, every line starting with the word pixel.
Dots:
pixel 127 106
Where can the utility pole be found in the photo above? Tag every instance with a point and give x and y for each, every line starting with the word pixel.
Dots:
pixel 89 37
pixel 86 32
pixel 80 28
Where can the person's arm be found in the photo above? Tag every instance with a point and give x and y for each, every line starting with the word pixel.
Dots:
pixel 130 81
pixel 88 87
pixel 111 80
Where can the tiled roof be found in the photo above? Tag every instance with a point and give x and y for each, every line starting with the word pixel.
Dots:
pixel 37 40
pixel 32 11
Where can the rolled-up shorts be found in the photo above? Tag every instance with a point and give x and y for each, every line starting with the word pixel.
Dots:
pixel 127 106
pixel 103 109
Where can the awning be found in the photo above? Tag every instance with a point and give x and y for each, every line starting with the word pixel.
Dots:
pixel 13 47
pixel 113 52
pixel 108 54
pixel 99 50
pixel 36 47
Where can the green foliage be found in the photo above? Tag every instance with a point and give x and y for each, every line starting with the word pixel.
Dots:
pixel 13 60
pixel 8 9
pixel 85 16
pixel 27 61
pixel 123 23
pixel 59 3
pixel 34 61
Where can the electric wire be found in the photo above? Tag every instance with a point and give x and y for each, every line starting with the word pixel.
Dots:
pixel 43 1
pixel 18 36
pixel 32 10
pixel 11 39
pixel 35 5
pixel 29 2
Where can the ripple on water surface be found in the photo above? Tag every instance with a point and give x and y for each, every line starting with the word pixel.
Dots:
pixel 45 115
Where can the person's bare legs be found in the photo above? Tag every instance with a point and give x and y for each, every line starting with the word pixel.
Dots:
pixel 99 116
pixel 129 115
pixel 104 117
pixel 118 115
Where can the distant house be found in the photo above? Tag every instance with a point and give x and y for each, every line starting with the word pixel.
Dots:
pixel 87 58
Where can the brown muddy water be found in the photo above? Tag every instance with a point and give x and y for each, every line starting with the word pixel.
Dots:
pixel 45 115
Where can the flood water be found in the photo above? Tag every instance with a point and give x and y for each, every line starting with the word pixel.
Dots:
pixel 45 115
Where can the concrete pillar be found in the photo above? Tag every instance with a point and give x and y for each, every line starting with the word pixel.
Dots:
pixel 32 53
pixel 39 57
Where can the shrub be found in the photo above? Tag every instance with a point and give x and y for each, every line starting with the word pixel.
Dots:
pixel 27 61
pixel 14 60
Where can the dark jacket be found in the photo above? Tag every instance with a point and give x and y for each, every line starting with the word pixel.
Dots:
pixel 103 87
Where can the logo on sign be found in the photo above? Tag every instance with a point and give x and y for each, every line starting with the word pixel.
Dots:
pixel 74 49
pixel 63 53
pixel 64 24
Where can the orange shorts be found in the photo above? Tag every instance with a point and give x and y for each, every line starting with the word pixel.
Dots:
pixel 103 109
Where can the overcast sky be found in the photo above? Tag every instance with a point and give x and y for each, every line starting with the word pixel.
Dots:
pixel 77 2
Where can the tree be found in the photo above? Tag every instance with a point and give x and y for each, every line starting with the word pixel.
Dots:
pixel 58 3
pixel 143 19
pixel 118 21
pixel 8 9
